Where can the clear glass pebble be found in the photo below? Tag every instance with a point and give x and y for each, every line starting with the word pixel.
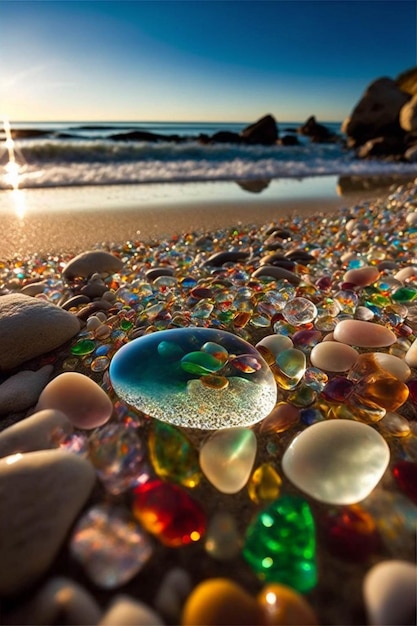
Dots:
pixel 110 545
pixel 174 388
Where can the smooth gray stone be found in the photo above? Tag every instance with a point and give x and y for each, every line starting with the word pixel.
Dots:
pixel 36 432
pixel 279 273
pixel 21 391
pixel 91 262
pixel 61 601
pixel 30 327
pixel 41 494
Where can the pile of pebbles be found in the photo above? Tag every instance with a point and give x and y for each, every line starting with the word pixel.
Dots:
pixel 61 315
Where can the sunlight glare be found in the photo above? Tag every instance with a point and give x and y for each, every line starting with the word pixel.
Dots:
pixel 13 172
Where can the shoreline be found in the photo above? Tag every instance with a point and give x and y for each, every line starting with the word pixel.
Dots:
pixel 71 220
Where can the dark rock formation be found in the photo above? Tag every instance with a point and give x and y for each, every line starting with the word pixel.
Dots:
pixel 222 136
pixel 377 113
pixel 316 132
pixel 389 146
pixel 143 135
pixel 288 140
pixel 264 132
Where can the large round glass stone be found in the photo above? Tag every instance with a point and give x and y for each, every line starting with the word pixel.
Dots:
pixel 171 375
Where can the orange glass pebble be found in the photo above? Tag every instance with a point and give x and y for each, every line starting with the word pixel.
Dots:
pixel 220 601
pixel 280 419
pixel 282 605
pixel 384 390
pixel 241 319
pixel 215 382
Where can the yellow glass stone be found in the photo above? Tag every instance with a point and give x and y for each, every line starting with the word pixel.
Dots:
pixel 265 484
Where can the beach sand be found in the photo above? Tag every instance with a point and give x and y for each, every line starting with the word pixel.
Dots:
pixel 71 220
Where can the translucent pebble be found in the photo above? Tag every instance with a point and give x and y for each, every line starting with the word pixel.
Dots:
pixel 347 300
pixel 173 456
pixel 275 343
pixel 315 378
pixel 394 425
pixel 168 512
pixel 111 547
pixel 280 544
pixel 281 418
pixel 383 390
pixel 290 368
pixel 100 363
pixel 222 539
pixel 351 533
pixel 217 601
pixel 264 485
pixel 394 365
pixel 299 311
pixel 117 454
pixel 246 363
pixel 227 458
pixel 283 606
pixel 165 390
pixel 200 363
pixel 83 347
pixel 346 461
pixel 305 340
pixel 170 350
pixel 216 350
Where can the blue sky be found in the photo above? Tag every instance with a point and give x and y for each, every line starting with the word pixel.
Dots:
pixel 197 60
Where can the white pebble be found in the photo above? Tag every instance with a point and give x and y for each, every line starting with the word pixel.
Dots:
pixel 389 591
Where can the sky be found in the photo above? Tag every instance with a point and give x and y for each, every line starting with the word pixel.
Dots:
pixel 198 60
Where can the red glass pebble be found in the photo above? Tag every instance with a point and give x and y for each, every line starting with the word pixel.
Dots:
pixel 351 533
pixel 337 389
pixel 405 473
pixel 167 511
pixel 412 386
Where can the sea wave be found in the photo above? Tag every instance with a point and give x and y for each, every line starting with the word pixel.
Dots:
pixel 51 163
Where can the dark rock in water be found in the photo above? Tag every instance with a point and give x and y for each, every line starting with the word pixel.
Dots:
pixel 264 132
pixel 355 184
pixel 28 133
pixel 388 146
pixel 225 136
pixel 253 186
pixel 316 132
pixel 143 135
pixel 289 140
pixel 377 113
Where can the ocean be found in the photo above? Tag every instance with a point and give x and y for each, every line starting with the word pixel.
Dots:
pixel 78 154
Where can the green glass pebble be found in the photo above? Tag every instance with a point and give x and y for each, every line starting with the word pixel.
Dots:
pixel 280 544
pixel 173 456
pixel 170 350
pixel 200 363
pixel 404 294
pixel 83 347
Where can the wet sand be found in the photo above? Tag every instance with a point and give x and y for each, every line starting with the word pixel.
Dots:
pixel 70 220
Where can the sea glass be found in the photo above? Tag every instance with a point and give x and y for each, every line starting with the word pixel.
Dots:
pixel 280 544
pixel 195 377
